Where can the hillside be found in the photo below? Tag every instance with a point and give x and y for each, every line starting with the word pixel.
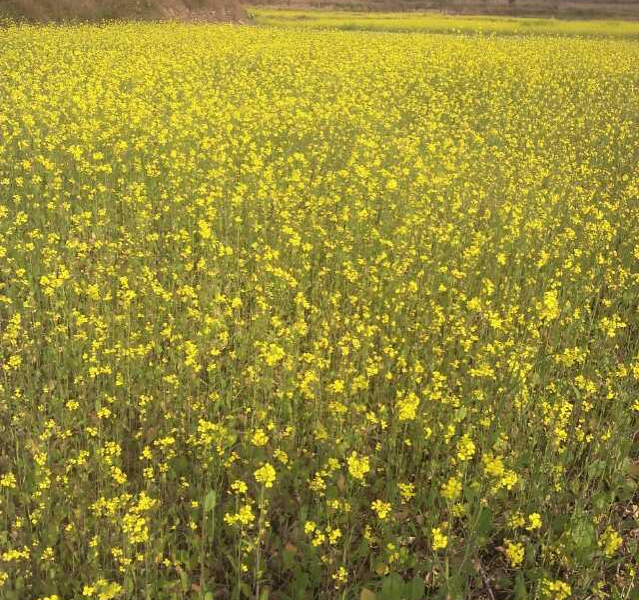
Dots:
pixel 95 10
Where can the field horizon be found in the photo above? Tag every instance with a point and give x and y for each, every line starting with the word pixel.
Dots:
pixel 234 11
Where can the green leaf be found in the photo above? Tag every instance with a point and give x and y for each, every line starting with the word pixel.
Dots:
pixel 392 587
pixel 415 589
pixel 627 490
pixel 559 523
pixel 484 522
pixel 301 584
pixel 288 558
pixel 601 501
pixel 596 469
pixel 583 535
pixel 520 587
pixel 461 413
pixel 484 526
pixel 209 596
pixel 210 501
pixel 451 589
pixel 184 581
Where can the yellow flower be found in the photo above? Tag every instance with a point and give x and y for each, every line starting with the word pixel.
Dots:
pixel 265 475
pixel 244 517
pixel 439 539
pixel 334 534
pixel 555 590
pixel 239 487
pixel 465 448
pixel 118 475
pixel 516 520
pixel 534 521
pixel 309 527
pixel 8 480
pixel 259 438
pixel 514 553
pixel 272 354
pixel 493 465
pixel 48 554
pixel 318 539
pixel 338 386
pixel 452 489
pixel 407 491
pixel 610 541
pixel 281 456
pixel 381 508
pixel 341 576
pixel 549 309
pixel 407 407
pixel 358 466
pixel 509 479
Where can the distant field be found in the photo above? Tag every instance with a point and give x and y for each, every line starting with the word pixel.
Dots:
pixel 432 22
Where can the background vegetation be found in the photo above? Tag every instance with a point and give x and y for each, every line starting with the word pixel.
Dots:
pixel 431 22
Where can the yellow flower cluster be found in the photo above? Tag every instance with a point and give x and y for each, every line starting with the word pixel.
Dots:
pixel 358 466
pixel 514 552
pixel 244 517
pixel 382 509
pixel 610 541
pixel 557 590
pixel 452 488
pixel 265 475
pixel 439 539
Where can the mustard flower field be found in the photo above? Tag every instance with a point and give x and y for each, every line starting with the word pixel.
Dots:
pixel 290 314
pixel 440 22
